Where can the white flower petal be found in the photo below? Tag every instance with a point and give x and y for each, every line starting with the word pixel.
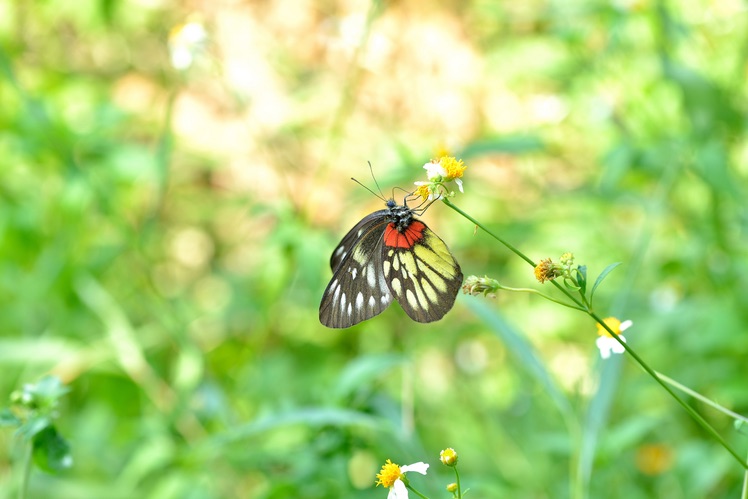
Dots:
pixel 603 346
pixel 434 170
pixel 608 345
pixel 459 184
pixel 401 492
pixel 419 467
pixel 617 347
pixel 625 325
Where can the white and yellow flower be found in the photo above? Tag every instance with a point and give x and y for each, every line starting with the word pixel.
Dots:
pixel 606 343
pixel 440 172
pixel 393 477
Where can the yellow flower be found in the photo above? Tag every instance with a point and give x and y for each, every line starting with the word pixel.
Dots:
pixel 439 172
pixel 448 457
pixel 423 191
pixel 392 475
pixel 454 168
pixel 546 270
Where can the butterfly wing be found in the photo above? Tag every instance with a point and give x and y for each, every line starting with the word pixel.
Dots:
pixel 358 290
pixel 354 236
pixel 420 271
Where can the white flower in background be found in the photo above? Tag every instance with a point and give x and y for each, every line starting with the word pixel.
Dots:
pixel 606 343
pixel 186 42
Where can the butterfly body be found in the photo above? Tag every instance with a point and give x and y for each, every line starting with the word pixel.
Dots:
pixel 390 254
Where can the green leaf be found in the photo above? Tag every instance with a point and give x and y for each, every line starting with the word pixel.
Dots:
pixel 33 426
pixel 582 278
pixel 363 371
pixel 571 285
pixel 525 354
pixel 51 451
pixel 7 418
pixel 47 392
pixel 306 416
pixel 597 414
pixel 602 276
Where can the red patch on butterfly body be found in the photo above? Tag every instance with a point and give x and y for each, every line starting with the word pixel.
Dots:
pixel 406 239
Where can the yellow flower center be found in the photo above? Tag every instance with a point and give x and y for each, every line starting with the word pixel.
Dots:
pixel 454 167
pixel 448 457
pixel 545 271
pixel 613 323
pixel 390 472
pixel 423 191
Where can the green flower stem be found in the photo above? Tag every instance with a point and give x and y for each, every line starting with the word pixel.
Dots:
pixel 549 298
pixel 695 415
pixel 702 398
pixel 580 305
pixel 457 480
pixel 416 492
pixel 700 420
pixel 512 248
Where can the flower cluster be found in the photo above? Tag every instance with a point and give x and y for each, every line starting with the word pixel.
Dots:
pixel 439 173
pixel 392 476
pixel 546 270
pixel 475 286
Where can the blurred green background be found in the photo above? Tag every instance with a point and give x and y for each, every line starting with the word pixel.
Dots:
pixel 175 175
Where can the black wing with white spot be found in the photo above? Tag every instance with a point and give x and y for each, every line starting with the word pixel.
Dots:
pixel 354 237
pixel 421 272
pixel 357 290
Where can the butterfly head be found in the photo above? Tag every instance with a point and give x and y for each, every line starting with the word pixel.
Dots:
pixel 399 216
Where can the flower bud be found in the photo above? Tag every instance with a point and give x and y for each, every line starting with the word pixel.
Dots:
pixel 448 457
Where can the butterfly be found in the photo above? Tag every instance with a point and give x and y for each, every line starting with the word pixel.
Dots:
pixel 390 254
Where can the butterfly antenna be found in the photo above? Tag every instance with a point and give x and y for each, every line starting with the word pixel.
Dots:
pixel 371 170
pixel 380 195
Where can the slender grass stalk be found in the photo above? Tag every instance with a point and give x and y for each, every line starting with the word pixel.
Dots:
pixel 744 493
pixel 23 489
pixel 696 416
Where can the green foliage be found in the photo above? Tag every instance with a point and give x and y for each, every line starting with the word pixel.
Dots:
pixel 32 412
pixel 165 238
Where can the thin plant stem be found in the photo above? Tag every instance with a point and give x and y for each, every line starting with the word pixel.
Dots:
pixel 512 248
pixel 549 298
pixel 23 489
pixel 696 416
pixel 702 398
pixel 580 305
pixel 744 493
pixel 457 480
pixel 416 492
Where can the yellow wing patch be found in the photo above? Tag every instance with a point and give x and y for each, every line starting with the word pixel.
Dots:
pixel 424 279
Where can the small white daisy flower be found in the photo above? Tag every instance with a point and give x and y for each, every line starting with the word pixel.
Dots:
pixel 606 343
